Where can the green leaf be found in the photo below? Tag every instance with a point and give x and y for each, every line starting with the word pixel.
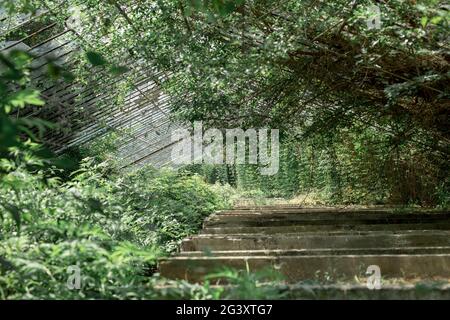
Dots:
pixel 5 264
pixel 95 205
pixel 7 165
pixel 15 213
pixel 95 58
pixel 27 96
pixel 424 21
pixel 436 19
pixel 53 70
pixel 68 76
pixel 118 70
pixel 8 133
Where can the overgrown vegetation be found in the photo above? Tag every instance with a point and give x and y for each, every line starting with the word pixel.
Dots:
pixel 112 227
pixel 363 115
pixel 363 112
pixel 353 166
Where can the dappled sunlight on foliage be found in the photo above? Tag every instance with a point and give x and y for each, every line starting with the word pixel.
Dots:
pixel 362 113
pixel 112 227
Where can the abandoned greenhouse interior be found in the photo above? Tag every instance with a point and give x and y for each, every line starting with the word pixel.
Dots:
pixel 224 149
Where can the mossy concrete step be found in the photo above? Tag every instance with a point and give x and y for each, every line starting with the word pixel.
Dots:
pixel 300 210
pixel 303 244
pixel 311 208
pixel 299 267
pixel 318 240
pixel 232 215
pixel 317 252
pixel 429 290
pixel 324 227
pixel 281 219
pixel 419 291
pixel 287 207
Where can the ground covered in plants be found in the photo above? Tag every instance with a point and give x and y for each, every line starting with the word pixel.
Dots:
pixel 113 227
pixel 362 109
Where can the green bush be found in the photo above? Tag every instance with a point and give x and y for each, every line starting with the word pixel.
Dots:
pixel 113 227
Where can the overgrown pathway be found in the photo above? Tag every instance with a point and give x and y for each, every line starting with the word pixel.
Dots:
pixel 309 244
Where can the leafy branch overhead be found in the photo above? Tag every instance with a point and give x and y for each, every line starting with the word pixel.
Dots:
pixel 358 88
pixel 284 64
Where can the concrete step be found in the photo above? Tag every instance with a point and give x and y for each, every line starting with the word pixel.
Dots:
pixel 419 291
pixel 232 216
pixel 315 241
pixel 324 227
pixel 300 267
pixel 428 290
pixel 317 252
pixel 302 210
pixel 305 243
pixel 292 219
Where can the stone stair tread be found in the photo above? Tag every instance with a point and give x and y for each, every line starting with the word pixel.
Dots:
pixel 296 268
pixel 322 233
pixel 295 220
pixel 305 252
pixel 316 241
pixel 321 227
pixel 336 211
pixel 435 290
pixel 300 242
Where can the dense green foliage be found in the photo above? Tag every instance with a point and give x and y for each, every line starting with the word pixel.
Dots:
pixel 15 73
pixel 112 227
pixel 357 166
pixel 352 166
pixel 363 115
pixel 313 69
